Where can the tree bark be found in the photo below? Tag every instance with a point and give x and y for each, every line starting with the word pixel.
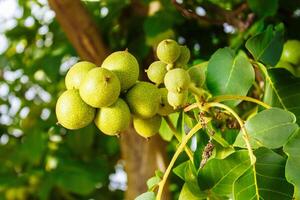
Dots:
pixel 141 157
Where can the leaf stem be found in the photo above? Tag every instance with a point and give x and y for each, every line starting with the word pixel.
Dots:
pixel 190 107
pixel 238 97
pixel 178 137
pixel 172 162
pixel 199 92
pixel 241 123
pixel 229 97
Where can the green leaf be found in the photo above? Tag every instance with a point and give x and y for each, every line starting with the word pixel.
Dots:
pixel 146 196
pixel 218 175
pixel 264 181
pixel 263 8
pixel 221 152
pixel 217 136
pixel 186 193
pixel 33 147
pixel 187 172
pixel 282 90
pixel 152 182
pixel 75 177
pixel 292 173
pixel 270 128
pixel 159 173
pixel 80 141
pixel 229 74
pixel 165 132
pixel 46 186
pixel 267 46
pixel 180 170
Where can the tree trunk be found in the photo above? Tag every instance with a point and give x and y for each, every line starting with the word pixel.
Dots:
pixel 141 157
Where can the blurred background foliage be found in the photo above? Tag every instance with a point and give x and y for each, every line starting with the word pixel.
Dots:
pixel 40 160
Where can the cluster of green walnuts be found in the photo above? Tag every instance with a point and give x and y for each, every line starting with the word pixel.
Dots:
pixel 112 96
pixel 290 57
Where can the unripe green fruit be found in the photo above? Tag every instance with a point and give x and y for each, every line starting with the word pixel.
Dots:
pixel 197 74
pixel 143 99
pixel 177 80
pixel 164 107
pixel 77 73
pixel 72 112
pixel 168 51
pixel 114 119
pixel 184 57
pixel 286 65
pixel 100 88
pixel 147 127
pixel 177 100
pixel 156 72
pixel 291 52
pixel 125 66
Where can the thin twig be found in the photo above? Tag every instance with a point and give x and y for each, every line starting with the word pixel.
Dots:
pixel 233 17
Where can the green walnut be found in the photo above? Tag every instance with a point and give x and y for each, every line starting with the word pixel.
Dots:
pixel 114 119
pixel 72 112
pixel 125 66
pixel 198 74
pixel 177 80
pixel 147 127
pixel 183 58
pixel 168 51
pixel 100 88
pixel 177 100
pixel 156 72
pixel 164 107
pixel 77 73
pixel 143 99
pixel 291 52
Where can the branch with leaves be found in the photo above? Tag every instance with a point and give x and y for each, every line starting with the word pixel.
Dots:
pixel 245 164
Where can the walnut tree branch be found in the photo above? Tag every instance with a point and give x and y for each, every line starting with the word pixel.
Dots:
pixel 80 29
pixel 221 16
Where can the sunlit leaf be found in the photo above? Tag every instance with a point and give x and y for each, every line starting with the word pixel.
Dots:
pixel 146 196
pixel 229 74
pixel 270 128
